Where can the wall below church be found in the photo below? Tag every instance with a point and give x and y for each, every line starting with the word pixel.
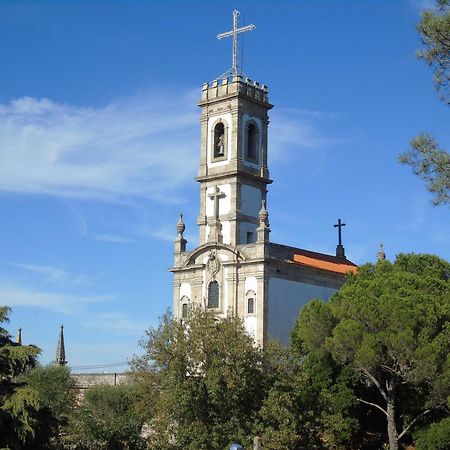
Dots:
pixel 285 300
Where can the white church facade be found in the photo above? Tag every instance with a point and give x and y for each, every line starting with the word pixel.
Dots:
pixel 235 268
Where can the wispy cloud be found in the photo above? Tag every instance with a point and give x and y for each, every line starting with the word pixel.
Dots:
pixel 292 128
pixel 52 274
pixel 118 323
pixel 16 295
pixel 142 147
pixel 114 238
pixel 136 147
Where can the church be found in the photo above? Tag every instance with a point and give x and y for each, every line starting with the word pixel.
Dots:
pixel 235 267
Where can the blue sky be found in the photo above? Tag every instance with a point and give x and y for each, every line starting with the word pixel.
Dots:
pixel 99 145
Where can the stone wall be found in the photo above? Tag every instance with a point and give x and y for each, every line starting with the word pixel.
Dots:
pixel 88 380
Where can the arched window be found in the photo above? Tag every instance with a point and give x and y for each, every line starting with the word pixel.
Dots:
pixel 219 140
pixel 252 142
pixel 251 305
pixel 213 294
pixel 184 310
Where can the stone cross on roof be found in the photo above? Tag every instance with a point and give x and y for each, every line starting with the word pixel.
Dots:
pixel 340 248
pixel 339 225
pixel 216 196
pixel 235 69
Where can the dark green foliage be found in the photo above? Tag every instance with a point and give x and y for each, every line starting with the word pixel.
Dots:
pixel 18 403
pixel 53 390
pixel 210 382
pixel 432 164
pixel 425 157
pixel 435 437
pixel 434 29
pixel 106 419
pixel 387 331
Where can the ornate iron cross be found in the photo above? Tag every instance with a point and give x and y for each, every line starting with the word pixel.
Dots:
pixel 339 225
pixel 235 69
pixel 216 196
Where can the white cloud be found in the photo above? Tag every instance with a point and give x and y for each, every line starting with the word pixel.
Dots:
pixel 52 274
pixel 138 147
pixel 13 295
pixel 291 128
pixel 119 323
pixel 114 238
pixel 143 147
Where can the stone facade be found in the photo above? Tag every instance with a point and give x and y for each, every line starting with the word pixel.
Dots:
pixel 236 268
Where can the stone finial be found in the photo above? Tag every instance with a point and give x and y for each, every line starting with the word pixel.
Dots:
pixel 180 225
pixel 19 336
pixel 61 350
pixel 263 230
pixel 180 241
pixel 381 255
pixel 263 214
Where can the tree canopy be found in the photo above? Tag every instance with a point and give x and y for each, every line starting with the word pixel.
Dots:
pixel 425 156
pixel 208 382
pixel 17 402
pixel 390 324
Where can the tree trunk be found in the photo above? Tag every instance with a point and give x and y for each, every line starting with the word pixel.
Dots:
pixel 392 426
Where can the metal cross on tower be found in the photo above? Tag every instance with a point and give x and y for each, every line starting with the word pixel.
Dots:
pixel 235 69
pixel 216 196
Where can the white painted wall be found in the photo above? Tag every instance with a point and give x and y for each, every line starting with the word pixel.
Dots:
pixel 286 299
pixel 185 290
pixel 211 121
pixel 251 284
pixel 224 203
pixel 250 200
pixel 250 326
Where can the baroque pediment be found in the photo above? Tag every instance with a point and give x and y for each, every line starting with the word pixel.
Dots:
pixel 216 252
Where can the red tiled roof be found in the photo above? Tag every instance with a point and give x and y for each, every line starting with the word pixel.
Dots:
pixel 324 262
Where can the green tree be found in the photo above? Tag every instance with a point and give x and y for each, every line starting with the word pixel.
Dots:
pixel 434 29
pixel 390 325
pixel 435 437
pixel 106 419
pixel 309 403
pixel 425 157
pixel 210 382
pixel 54 392
pixel 17 402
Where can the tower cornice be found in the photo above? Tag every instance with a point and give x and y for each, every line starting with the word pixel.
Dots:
pixel 233 173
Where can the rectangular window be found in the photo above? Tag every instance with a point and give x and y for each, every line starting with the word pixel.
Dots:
pixel 250 239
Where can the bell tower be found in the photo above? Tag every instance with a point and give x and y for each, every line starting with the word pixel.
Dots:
pixel 236 269
pixel 233 173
